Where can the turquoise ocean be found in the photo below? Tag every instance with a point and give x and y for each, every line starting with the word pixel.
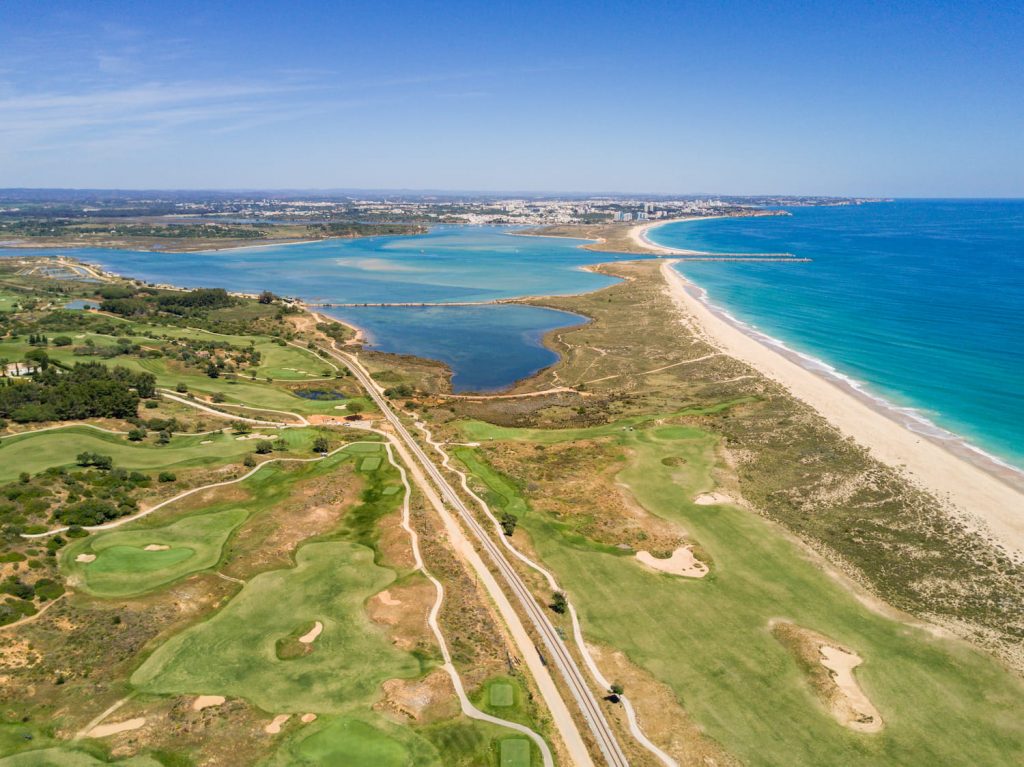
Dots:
pixel 919 303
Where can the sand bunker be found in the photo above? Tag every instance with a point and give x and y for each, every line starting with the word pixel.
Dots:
pixel 206 442
pixel 830 669
pixel 255 436
pixel 156 547
pixel 861 715
pixel 85 558
pixel 386 599
pixel 713 499
pixel 307 718
pixel 310 636
pixel 275 726
pixel 206 701
pixel 682 562
pixel 103 730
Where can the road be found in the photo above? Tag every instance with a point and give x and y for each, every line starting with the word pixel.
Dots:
pixel 558 653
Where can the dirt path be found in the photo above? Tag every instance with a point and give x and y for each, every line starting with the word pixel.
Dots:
pixel 467 707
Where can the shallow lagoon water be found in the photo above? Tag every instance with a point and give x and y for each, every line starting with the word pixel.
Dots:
pixel 920 301
pixel 487 347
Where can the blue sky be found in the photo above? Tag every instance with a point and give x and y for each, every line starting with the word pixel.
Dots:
pixel 902 99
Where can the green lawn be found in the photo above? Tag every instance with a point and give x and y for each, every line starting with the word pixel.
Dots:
pixel 234 652
pixel 709 640
pixel 59 447
pixel 123 567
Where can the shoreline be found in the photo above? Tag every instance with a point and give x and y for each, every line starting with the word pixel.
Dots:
pixel 980 487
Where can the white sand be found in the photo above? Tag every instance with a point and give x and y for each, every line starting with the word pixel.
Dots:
pixel 386 599
pixel 85 558
pixel 714 499
pixel 156 547
pixel 307 718
pixel 275 726
pixel 207 701
pixel 103 730
pixel 206 442
pixel 682 562
pixel 638 234
pixel 863 717
pixel 988 501
pixel 310 636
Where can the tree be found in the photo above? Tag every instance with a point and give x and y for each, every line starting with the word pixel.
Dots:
pixel 508 523
pixel 617 689
pixel 266 297
pixel 166 476
pixel 240 427
pixel 164 437
pixel 355 407
pixel 212 371
pixel 249 460
pixel 181 387
pixel 264 446
pixel 559 603
pixel 137 435
pixel 321 445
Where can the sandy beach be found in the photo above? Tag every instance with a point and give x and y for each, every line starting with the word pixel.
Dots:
pixel 986 494
pixel 639 235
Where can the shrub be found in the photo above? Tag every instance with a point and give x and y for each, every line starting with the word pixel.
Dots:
pixel 136 435
pixel 181 387
pixel 166 476
pixel 321 445
pixel 249 460
pixel 152 404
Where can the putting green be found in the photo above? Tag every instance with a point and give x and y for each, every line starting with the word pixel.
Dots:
pixel 709 640
pixel 515 752
pixel 234 652
pixel 352 743
pixel 123 567
pixel 501 694
pixel 370 463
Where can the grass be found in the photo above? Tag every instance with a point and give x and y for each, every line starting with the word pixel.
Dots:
pixel 35 452
pixel 233 653
pixel 709 640
pixel 124 568
pixel 59 757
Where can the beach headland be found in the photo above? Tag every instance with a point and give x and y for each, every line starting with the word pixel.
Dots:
pixel 988 494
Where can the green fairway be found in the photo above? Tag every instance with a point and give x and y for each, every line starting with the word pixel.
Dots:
pixel 59 757
pixel 234 652
pixel 123 567
pixel 709 639
pixel 59 447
